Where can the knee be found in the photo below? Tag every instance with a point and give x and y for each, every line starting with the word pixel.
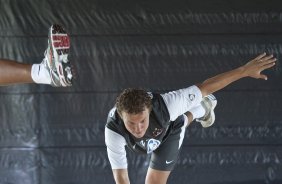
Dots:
pixel 155 180
pixel 157 177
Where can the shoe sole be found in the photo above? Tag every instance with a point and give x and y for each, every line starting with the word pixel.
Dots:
pixel 59 49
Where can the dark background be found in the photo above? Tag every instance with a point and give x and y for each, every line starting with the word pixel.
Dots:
pixel 56 135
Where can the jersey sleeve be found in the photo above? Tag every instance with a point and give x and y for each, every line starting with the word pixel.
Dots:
pixel 180 101
pixel 116 149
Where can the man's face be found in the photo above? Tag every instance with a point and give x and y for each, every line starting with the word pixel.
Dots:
pixel 136 124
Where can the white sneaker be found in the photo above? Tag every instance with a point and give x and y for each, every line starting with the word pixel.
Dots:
pixel 209 103
pixel 56 57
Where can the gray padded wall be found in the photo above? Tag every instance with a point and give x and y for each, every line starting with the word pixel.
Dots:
pixel 56 135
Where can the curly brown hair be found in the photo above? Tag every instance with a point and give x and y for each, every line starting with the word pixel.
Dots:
pixel 133 101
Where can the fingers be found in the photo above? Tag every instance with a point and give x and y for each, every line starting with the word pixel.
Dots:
pixel 267 61
pixel 269 65
pixel 265 58
pixel 260 56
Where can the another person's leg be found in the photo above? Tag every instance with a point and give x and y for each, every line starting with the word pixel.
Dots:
pixel 55 69
pixel 12 72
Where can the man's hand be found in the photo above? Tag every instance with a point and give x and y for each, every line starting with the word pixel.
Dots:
pixel 254 67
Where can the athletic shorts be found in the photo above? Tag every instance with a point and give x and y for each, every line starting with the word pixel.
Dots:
pixel 165 156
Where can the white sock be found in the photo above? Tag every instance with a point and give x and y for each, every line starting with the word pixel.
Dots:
pixel 40 74
pixel 198 111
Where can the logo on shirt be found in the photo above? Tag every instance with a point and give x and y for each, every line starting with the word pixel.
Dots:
pixel 112 112
pixel 152 145
pixel 143 143
pixel 157 132
pixel 150 94
pixel 191 97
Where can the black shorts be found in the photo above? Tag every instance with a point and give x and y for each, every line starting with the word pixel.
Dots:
pixel 165 156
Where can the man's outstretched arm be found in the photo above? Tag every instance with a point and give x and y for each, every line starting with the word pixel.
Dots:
pixel 252 69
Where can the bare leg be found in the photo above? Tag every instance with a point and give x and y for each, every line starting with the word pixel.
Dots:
pixel 12 72
pixel 156 176
pixel 190 117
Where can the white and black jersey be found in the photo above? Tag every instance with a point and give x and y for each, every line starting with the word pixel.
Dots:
pixel 166 118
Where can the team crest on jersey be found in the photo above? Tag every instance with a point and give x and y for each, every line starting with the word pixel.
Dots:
pixel 152 145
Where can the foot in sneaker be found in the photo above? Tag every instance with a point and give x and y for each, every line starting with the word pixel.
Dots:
pixel 209 103
pixel 56 57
